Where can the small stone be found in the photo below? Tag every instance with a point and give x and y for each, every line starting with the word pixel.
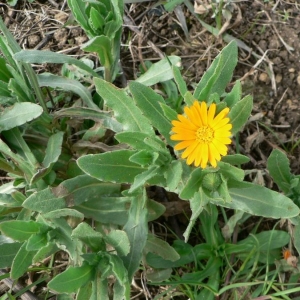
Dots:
pixel 298 79
pixel 263 77
pixel 278 78
pixel 291 70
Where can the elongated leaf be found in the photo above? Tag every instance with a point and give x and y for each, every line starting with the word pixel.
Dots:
pixel 89 236
pixel 119 240
pixel 45 56
pixel 260 201
pixel 235 95
pixel 78 10
pixel 161 248
pixel 240 113
pixel 137 231
pixel 160 71
pixel 8 252
pixel 179 80
pixel 102 46
pixel 149 103
pixel 197 202
pixel 124 108
pixel 72 279
pixel 92 114
pixel 21 262
pixel 219 73
pixel 193 183
pixel 19 114
pixel 84 188
pixel 53 149
pixel 54 81
pixel 279 168
pixel 106 209
pixel 173 175
pixel 20 230
pixel 141 179
pixel 111 166
pixel 235 159
pixel 44 201
pixel 64 212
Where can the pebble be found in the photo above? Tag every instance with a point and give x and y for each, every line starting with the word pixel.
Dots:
pixel 263 77
pixel 298 79
pixel 291 70
pixel 278 78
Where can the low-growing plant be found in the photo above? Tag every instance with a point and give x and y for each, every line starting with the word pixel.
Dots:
pixel 80 174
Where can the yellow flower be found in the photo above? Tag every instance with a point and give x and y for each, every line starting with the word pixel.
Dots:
pixel 203 135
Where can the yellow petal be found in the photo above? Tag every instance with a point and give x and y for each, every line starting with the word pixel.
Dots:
pixel 204 156
pixel 181 130
pixel 183 145
pixel 223 140
pixel 204 113
pixel 211 113
pixel 182 137
pixel 189 150
pixel 199 155
pixel 221 123
pixel 192 114
pixel 214 152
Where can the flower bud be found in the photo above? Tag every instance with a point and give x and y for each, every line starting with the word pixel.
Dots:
pixel 211 181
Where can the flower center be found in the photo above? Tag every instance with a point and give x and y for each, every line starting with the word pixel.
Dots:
pixel 205 134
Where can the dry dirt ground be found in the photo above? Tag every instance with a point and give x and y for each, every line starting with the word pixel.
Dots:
pixel 269 59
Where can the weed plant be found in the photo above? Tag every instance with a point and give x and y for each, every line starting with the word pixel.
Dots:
pixel 80 175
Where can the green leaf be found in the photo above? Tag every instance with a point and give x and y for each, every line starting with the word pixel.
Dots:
pixel 158 275
pixel 45 252
pixel 20 230
pixel 45 56
pixel 124 108
pixel 44 201
pixel 104 117
pixel 234 95
pixel 231 172
pixel 89 236
pixel 21 262
pixel 137 232
pixel 259 201
pixel 144 157
pixel 235 159
pixel 279 167
pixel 173 175
pixel 102 46
pixel 119 240
pixel 63 212
pixel 66 84
pixel 106 209
pixel 78 9
pixel 197 203
pixel 161 248
pixel 160 71
pixel 240 113
pixel 111 166
pixel 193 183
pixel 36 242
pixel 179 80
pixel 84 188
pixel 19 114
pixel 136 140
pixel 149 103
pixel 169 113
pixel 72 279
pixel 142 178
pixel 219 73
pixel 8 252
pixel 53 149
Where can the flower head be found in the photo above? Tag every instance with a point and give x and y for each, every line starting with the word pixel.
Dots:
pixel 203 135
